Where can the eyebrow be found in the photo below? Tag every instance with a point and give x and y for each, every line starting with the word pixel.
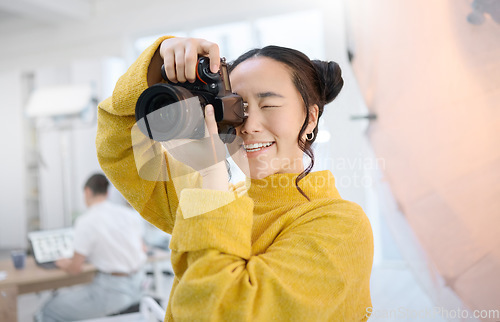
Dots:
pixel 269 94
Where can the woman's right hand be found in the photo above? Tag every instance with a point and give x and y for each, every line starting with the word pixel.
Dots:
pixel 180 57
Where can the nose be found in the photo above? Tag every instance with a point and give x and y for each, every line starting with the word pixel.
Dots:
pixel 252 123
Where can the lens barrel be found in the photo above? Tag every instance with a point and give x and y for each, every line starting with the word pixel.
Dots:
pixel 165 112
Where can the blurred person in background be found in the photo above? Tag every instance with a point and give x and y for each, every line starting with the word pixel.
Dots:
pixel 110 237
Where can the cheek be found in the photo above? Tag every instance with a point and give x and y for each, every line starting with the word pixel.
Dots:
pixel 286 128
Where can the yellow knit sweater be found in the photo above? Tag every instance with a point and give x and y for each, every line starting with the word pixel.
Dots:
pixel 260 252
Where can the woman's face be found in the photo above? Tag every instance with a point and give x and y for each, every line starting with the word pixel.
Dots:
pixel 275 116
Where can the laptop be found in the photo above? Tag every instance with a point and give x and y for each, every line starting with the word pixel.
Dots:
pixel 51 245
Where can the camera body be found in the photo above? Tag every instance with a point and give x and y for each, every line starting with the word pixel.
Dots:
pixel 167 111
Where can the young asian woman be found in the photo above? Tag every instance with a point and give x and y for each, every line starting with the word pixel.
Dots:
pixel 282 245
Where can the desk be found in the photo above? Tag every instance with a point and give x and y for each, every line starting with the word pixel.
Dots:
pixel 35 279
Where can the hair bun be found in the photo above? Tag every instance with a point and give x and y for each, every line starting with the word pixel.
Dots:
pixel 330 78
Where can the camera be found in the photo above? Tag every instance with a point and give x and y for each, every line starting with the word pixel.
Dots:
pixel 167 111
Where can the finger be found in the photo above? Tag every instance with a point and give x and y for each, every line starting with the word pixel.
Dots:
pixel 180 65
pixel 212 49
pixel 210 120
pixel 191 60
pixel 169 63
pixel 218 149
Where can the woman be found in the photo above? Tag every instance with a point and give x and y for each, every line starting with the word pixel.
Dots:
pixel 266 249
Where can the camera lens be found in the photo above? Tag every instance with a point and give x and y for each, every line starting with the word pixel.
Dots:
pixel 165 112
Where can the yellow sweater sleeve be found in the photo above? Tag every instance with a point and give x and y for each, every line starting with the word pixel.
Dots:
pixel 156 198
pixel 311 272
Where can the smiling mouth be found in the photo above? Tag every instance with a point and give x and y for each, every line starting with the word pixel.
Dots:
pixel 256 146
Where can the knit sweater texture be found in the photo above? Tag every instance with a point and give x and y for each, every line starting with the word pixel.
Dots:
pixel 258 252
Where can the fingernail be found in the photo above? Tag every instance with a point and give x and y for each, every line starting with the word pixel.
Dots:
pixel 209 110
pixel 215 68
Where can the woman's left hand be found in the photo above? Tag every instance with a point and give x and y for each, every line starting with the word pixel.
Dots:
pixel 206 155
pixel 214 177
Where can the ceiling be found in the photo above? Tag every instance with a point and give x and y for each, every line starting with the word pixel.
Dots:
pixel 21 16
pixel 45 12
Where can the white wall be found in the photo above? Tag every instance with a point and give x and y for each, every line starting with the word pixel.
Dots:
pixel 12 174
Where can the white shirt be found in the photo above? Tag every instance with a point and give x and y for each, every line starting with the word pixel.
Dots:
pixel 110 236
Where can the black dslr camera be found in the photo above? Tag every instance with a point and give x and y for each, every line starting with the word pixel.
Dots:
pixel 167 111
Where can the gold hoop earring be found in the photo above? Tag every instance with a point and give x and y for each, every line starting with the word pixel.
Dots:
pixel 310 138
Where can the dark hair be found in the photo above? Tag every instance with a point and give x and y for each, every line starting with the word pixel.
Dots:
pixel 98 184
pixel 318 82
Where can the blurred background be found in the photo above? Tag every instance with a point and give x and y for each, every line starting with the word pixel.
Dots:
pixel 414 136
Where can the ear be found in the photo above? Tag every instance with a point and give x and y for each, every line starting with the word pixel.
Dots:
pixel 88 192
pixel 313 118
